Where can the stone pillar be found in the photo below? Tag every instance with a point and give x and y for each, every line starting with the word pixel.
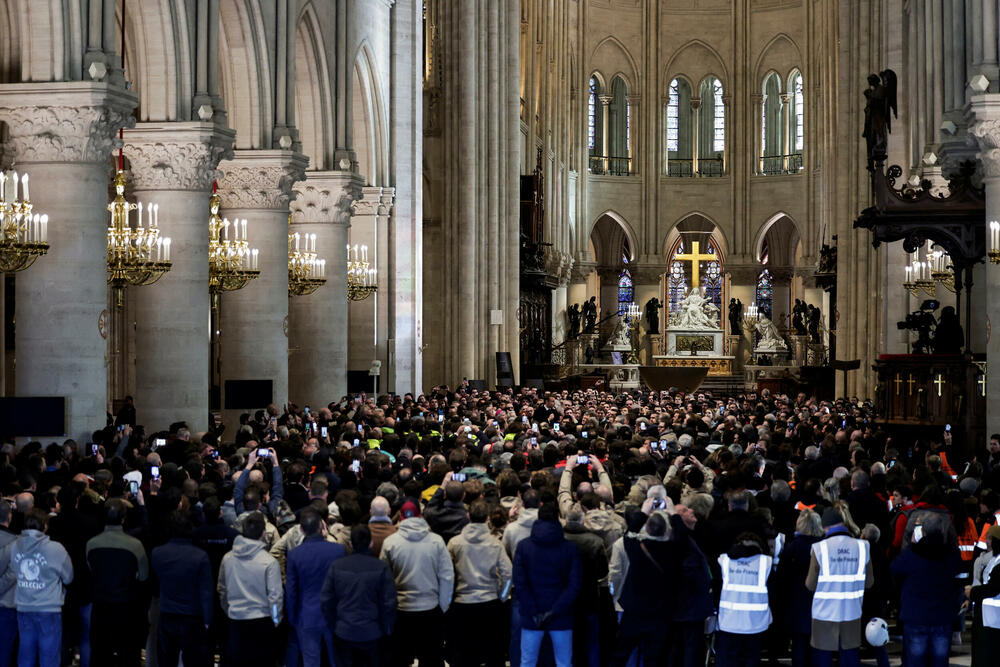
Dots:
pixel 62 134
pixel 173 165
pixel 317 324
pixel 257 185
pixel 742 286
pixel 369 226
pixel 984 127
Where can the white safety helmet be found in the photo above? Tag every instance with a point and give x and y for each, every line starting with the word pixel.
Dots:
pixel 877 632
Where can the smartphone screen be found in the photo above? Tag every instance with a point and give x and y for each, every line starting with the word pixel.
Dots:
pixel 555 427
pixel 583 459
pixel 94 447
pixel 159 442
pixel 356 442
pixel 133 486
pixel 583 434
pixel 356 465
pixel 323 431
pixel 458 477
pixel 262 453
pixel 155 472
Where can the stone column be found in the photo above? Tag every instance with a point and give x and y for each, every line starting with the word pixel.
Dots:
pixel 984 127
pixel 62 134
pixel 257 185
pixel 742 286
pixel 317 324
pixel 173 165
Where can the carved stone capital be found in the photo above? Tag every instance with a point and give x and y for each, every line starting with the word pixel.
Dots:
pixel 177 156
pixel 261 179
pixel 580 271
pixel 558 265
pixel 326 196
pixel 647 274
pixel 984 132
pixel 374 201
pixel 64 121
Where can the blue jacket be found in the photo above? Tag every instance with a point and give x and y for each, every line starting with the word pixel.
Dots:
pixel 929 593
pixel 547 576
pixel 359 598
pixel 306 570
pixel 185 574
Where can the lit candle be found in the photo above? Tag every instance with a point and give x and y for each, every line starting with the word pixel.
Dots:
pixel 355 252
pixel 244 229
pixel 225 227
pixel 255 259
pixel 36 228
pixel 140 215
pixel 3 185
pixel 296 237
pixel 364 253
pixel 166 249
pixel 313 237
pixel 156 215
pixel 909 270
pixel 45 228
pixel 24 187
pixel 159 249
pixel 236 230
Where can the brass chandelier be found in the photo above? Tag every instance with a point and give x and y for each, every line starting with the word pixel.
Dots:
pixel 138 255
pixel 306 273
pixel 232 263
pixel 23 236
pixel 362 279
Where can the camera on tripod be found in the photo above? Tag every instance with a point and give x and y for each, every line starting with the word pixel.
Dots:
pixel 922 322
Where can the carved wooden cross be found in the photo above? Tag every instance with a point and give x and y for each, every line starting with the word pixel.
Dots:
pixel 909 384
pixel 899 383
pixel 982 384
pixel 939 382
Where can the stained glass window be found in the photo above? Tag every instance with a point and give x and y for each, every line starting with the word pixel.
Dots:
pixel 673 117
pixel 799 110
pixel 626 291
pixel 592 114
pixel 719 125
pixel 765 293
pixel 680 273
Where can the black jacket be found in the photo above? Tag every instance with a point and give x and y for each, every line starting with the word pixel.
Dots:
pixel 649 592
pixel 694 590
pixel 594 562
pixel 73 529
pixel 215 539
pixel 359 597
pixel 447 518
pixel 185 575
pixel 119 567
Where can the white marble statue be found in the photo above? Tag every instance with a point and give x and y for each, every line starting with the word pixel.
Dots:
pixel 621 336
pixel 695 312
pixel 770 339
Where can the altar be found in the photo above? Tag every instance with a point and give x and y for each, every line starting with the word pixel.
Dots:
pixel 694 338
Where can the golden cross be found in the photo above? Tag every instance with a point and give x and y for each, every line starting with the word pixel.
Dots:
pixel 939 382
pixel 982 383
pixel 899 383
pixel 909 384
pixel 695 257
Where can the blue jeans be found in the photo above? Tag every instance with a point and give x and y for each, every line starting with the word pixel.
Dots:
pixel 926 645
pixel 41 638
pixel 8 635
pixel 531 645
pixel 311 643
pixel 849 657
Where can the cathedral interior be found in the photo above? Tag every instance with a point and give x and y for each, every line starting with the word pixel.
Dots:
pixel 529 192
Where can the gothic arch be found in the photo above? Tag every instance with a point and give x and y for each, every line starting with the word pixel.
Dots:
pixel 626 228
pixel 244 64
pixel 157 58
pixel 674 231
pixel 699 60
pixel 368 102
pixel 779 54
pixel 10 42
pixel 788 250
pixel 601 81
pixel 612 56
pixel 313 101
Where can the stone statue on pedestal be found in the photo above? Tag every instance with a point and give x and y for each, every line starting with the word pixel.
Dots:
pixel 880 106
pixel 770 339
pixel 590 315
pixel 735 317
pixel 696 312
pixel 653 315
pixel 573 314
pixel 798 310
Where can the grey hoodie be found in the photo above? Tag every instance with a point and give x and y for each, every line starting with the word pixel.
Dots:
pixel 250 582
pixel 482 567
pixel 8 574
pixel 44 569
pixel 420 565
pixel 519 530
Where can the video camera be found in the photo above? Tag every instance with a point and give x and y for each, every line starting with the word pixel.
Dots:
pixel 922 322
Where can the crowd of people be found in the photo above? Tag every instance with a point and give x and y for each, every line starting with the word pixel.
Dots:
pixel 475 527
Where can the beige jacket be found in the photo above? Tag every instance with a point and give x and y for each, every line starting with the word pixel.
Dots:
pixel 482 567
pixel 421 566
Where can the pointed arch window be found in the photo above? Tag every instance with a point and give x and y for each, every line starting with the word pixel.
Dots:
pixel 618 129
pixel 678 125
pixel 680 271
pixel 626 289
pixel 594 117
pixel 797 115
pixel 771 139
pixel 711 128
pixel 765 293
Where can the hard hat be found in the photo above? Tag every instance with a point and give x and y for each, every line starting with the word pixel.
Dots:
pixel 877 632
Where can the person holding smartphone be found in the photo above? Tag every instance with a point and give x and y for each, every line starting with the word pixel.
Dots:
pixel 246 501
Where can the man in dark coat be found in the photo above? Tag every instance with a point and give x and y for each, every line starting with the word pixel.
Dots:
pixel 594 568
pixel 445 512
pixel 694 595
pixel 359 603
pixel 306 569
pixel 547 577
